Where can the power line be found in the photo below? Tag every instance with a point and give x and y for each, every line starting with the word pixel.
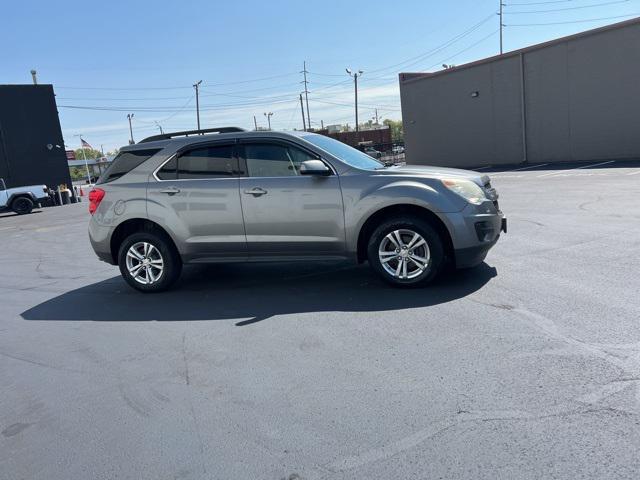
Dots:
pixel 536 3
pixel 182 87
pixel 571 22
pixel 567 8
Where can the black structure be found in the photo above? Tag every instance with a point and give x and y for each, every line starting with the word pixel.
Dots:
pixel 31 146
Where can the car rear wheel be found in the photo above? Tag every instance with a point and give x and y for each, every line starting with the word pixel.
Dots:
pixel 406 252
pixel 22 205
pixel 148 262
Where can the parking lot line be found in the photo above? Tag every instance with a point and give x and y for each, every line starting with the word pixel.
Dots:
pixel 530 166
pixel 577 168
pixel 634 173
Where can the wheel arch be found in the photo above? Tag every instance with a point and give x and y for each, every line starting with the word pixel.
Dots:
pixel 392 211
pixel 16 196
pixel 135 225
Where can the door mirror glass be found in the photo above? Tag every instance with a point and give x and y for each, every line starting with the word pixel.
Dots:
pixel 314 167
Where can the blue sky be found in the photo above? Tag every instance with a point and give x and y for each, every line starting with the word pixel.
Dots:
pixel 116 57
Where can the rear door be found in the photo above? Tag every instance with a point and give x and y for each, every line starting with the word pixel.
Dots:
pixel 285 213
pixel 196 193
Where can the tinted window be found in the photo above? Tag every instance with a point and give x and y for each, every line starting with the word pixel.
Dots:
pixel 169 171
pixel 124 163
pixel 207 162
pixel 271 160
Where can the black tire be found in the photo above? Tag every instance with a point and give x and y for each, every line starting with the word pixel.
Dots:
pixel 172 265
pixel 432 249
pixel 22 205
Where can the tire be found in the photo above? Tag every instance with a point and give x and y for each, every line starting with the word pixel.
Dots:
pixel 423 260
pixel 161 268
pixel 22 205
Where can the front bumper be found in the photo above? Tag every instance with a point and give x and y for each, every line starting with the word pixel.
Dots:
pixel 475 231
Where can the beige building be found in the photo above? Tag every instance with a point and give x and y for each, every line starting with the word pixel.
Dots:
pixel 574 98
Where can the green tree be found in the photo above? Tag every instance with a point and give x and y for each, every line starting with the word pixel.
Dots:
pixel 397 132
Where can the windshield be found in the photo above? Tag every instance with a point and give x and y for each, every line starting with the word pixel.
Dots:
pixel 344 152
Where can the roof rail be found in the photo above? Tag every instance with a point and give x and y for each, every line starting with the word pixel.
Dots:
pixel 186 133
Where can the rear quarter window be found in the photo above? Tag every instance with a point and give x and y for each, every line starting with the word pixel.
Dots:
pixel 124 163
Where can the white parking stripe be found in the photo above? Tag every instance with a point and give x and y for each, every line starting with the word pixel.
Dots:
pixel 634 173
pixel 530 166
pixel 577 168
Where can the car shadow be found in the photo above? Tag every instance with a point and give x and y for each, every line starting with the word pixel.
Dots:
pixel 250 293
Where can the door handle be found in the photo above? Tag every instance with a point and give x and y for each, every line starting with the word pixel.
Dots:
pixel 256 191
pixel 170 190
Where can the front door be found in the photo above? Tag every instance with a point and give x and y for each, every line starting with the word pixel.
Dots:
pixel 285 213
pixel 197 195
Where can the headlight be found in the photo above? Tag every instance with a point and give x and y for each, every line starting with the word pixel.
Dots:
pixel 467 189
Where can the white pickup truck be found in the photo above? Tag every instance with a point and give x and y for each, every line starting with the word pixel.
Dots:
pixel 21 199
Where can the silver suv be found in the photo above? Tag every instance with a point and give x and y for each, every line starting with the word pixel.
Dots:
pixel 228 195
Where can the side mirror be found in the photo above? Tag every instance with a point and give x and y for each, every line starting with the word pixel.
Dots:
pixel 314 167
pixel 3 186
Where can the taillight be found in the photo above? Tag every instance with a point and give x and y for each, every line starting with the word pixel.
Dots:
pixel 95 197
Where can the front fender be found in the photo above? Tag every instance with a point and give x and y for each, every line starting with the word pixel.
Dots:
pixel 359 208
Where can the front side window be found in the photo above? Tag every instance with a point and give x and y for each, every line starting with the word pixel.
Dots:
pixel 206 162
pixel 273 160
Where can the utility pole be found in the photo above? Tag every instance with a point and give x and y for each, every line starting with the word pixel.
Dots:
pixel 322 124
pixel 159 126
pixel 197 87
pixel 129 117
pixel 355 76
pixel 501 24
pixel 304 126
pixel 34 77
pixel 255 123
pixel 306 92
pixel 376 117
pixel 268 115
pixel 84 156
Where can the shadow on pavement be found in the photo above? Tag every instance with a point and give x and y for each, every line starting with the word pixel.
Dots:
pixel 255 292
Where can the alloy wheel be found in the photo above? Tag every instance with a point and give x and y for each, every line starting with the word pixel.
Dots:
pixel 145 263
pixel 404 254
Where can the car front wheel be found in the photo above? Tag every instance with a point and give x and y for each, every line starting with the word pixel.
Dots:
pixel 148 262
pixel 406 252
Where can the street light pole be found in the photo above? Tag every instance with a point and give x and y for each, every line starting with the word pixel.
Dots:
pixel 304 126
pixel 129 117
pixel 355 76
pixel 197 87
pixel 306 93
pixel 268 115
pixel 159 126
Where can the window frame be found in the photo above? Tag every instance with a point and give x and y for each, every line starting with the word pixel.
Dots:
pixel 280 142
pixel 241 172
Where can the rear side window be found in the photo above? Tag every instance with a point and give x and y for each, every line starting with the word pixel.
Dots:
pixel 207 162
pixel 124 163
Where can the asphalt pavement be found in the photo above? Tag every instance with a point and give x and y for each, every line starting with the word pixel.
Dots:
pixel 527 366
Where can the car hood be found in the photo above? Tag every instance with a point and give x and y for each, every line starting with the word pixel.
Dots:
pixel 435 172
